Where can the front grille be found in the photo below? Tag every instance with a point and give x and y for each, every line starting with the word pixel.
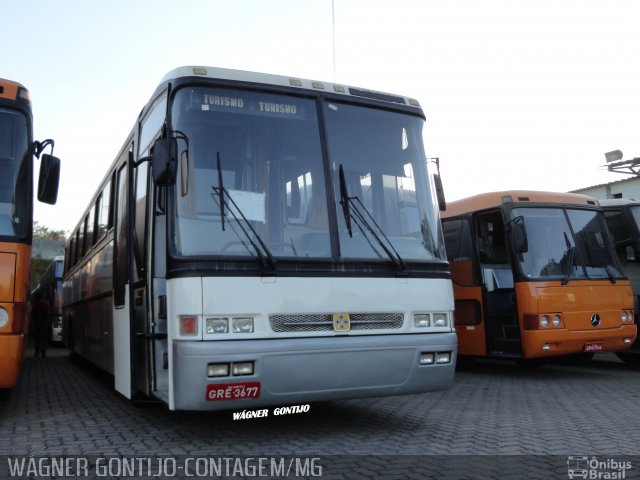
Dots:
pixel 324 322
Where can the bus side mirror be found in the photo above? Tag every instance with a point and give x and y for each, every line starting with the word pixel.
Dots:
pixel 164 161
pixel 442 202
pixel 49 179
pixel 519 236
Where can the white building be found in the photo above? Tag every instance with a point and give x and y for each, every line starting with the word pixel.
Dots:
pixel 628 187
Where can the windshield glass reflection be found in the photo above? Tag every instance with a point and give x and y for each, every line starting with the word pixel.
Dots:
pixel 566 244
pixel 14 180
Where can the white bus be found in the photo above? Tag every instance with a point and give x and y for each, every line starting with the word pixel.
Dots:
pixel 623 220
pixel 264 240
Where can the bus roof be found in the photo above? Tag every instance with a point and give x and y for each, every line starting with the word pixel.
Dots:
pixel 11 90
pixel 280 80
pixel 484 201
pixel 616 202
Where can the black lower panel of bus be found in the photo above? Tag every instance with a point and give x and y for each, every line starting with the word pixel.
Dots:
pixel 502 328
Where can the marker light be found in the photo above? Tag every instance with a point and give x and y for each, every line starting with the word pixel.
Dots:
pixel 188 325
pixel 4 317
pixel 242 368
pixel 440 320
pixel 627 340
pixel 242 325
pixel 427 359
pixel 217 325
pixel 546 346
pixel 422 320
pixel 218 370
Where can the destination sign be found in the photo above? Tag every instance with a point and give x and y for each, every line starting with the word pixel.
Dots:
pixel 252 103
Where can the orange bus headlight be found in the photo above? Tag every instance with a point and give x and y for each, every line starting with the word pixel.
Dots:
pixel 626 316
pixel 533 321
pixel 4 317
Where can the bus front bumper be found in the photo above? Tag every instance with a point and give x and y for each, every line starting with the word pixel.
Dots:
pixel 552 342
pixel 303 370
pixel 11 357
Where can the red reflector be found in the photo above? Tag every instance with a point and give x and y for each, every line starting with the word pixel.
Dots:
pixel 188 325
pixel 530 321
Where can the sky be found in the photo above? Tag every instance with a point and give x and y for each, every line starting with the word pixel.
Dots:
pixel 517 94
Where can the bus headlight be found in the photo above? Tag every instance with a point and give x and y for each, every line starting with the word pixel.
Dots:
pixel 422 320
pixel 556 321
pixel 217 325
pixel 440 320
pixel 242 368
pixel 218 370
pixel 544 321
pixel 242 325
pixel 4 317
pixel 626 316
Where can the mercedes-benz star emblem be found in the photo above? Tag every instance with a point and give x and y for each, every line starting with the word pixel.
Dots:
pixel 595 319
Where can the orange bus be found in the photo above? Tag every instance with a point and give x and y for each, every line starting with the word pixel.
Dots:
pixel 535 275
pixel 17 149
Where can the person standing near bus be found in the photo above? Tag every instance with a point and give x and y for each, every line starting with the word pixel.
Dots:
pixel 40 324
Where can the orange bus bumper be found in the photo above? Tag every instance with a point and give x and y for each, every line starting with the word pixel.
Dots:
pixel 553 342
pixel 11 357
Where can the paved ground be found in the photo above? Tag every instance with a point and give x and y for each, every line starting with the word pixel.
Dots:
pixel 61 408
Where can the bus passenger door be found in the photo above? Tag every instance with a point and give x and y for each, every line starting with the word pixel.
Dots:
pixel 500 310
pixel 141 328
pixel 467 288
pixel 146 332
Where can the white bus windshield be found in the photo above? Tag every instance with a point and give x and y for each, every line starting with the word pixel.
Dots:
pixel 14 174
pixel 272 168
pixel 569 244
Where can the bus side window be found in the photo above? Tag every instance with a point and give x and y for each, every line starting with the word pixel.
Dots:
pixel 621 234
pixel 140 216
pixel 459 246
pixel 491 241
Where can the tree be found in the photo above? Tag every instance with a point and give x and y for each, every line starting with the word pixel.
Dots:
pixel 42 232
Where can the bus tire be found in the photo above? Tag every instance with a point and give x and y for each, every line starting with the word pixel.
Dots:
pixel 629 358
pixel 465 361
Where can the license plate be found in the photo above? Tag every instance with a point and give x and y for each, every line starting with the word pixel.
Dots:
pixel 233 391
pixel 592 347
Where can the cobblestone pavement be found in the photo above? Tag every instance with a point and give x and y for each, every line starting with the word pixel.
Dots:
pixel 494 408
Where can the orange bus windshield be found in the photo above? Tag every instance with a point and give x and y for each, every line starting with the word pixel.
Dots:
pixel 567 244
pixel 14 175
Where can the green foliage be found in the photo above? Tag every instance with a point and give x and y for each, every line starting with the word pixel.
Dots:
pixel 43 232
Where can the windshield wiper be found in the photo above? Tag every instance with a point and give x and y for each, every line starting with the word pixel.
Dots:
pixel 594 263
pixel 612 278
pixel 570 254
pixel 351 211
pixel 223 194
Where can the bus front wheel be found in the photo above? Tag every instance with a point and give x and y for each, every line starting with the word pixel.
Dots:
pixel 630 358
